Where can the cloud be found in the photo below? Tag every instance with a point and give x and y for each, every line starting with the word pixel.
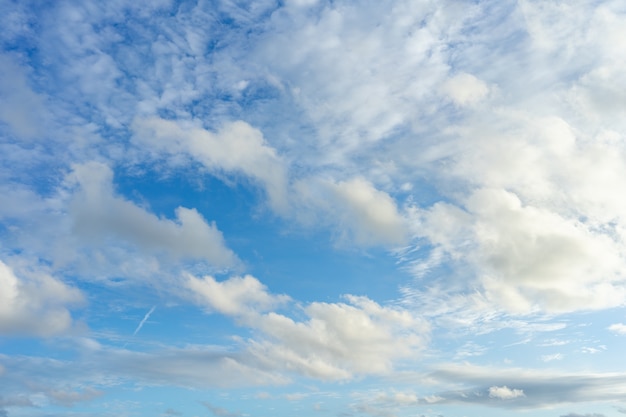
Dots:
pixel 583 415
pixel 218 411
pixel 505 393
pixel 534 388
pixel 69 398
pixel 21 108
pixel 391 58
pixel 550 358
pixel 145 318
pixel 618 328
pixel 360 213
pixel 98 367
pixel 527 257
pixel 465 89
pixel 236 148
pixel 35 304
pixel 98 213
pixel 370 215
pixel 237 296
pixel 335 341
pixel 398 399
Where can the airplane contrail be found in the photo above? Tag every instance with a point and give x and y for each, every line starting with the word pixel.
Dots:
pixel 146 317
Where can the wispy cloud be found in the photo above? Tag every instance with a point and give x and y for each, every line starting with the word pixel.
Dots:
pixel 618 328
pixel 145 318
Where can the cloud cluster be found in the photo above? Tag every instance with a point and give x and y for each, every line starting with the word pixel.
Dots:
pixel 237 147
pixel 485 138
pixel 333 341
pixel 98 213
pixel 528 257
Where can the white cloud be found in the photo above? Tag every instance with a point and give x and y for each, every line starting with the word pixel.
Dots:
pixel 336 341
pixel 371 215
pixel 236 148
pixel 358 72
pixel 505 393
pixel 618 328
pixel 360 213
pixel 528 257
pixel 237 296
pixel 528 203
pixel 97 213
pixel 465 89
pixel 35 303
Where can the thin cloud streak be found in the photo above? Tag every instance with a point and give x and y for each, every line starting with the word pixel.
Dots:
pixel 145 318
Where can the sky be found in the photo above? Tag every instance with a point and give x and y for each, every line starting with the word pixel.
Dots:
pixel 333 208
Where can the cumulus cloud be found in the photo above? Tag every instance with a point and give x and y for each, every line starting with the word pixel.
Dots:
pixel 335 341
pixel 370 215
pixel 526 158
pixel 236 148
pixel 528 257
pixel 35 303
pixel 98 212
pixel 236 296
pixel 505 393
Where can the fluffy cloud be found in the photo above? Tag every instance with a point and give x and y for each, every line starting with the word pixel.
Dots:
pixel 360 213
pixel 236 296
pixel 370 215
pixel 465 89
pixel 528 257
pixel 97 212
pixel 237 147
pixel 505 393
pixel 35 304
pixel 336 341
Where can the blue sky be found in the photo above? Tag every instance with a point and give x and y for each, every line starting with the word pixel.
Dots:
pixel 314 208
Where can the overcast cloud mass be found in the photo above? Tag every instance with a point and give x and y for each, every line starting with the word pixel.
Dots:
pixel 313 208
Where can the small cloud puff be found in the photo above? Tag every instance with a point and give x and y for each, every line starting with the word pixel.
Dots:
pixel 465 89
pixel 505 393
pixel 618 328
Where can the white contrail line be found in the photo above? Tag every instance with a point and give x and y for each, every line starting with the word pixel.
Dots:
pixel 146 317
